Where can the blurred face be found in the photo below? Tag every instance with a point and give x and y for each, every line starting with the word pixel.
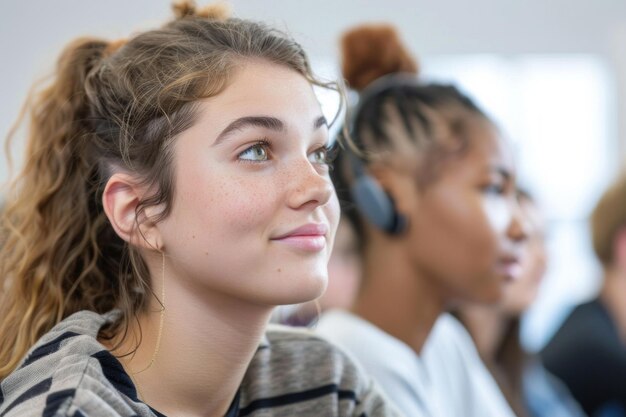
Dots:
pixel 254 213
pixel 344 270
pixel 521 293
pixel 466 228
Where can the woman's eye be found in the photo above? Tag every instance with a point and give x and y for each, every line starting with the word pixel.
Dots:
pixel 319 156
pixel 255 153
pixel 324 155
pixel 497 189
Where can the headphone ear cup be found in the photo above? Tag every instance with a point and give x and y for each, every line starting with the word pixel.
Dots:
pixel 376 205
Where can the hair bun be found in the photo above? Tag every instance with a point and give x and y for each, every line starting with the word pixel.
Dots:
pixel 372 51
pixel 186 8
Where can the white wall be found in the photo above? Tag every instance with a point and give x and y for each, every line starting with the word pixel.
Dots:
pixel 32 32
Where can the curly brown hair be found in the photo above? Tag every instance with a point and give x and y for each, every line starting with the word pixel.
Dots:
pixel 110 106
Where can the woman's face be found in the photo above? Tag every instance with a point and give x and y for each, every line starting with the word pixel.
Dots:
pixel 521 293
pixel 254 213
pixel 466 227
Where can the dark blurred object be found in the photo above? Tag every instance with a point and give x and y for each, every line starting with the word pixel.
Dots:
pixel 589 351
pixel 589 356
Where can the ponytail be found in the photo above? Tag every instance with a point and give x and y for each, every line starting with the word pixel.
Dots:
pixel 111 107
pixel 50 227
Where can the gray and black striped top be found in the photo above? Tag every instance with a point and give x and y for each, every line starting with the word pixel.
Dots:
pixel 68 373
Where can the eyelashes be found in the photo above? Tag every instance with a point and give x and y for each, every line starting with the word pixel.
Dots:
pixel 261 151
pixel 325 155
pixel 494 189
pixel 258 152
pixel 332 151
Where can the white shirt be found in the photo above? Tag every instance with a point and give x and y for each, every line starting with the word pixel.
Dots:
pixel 447 380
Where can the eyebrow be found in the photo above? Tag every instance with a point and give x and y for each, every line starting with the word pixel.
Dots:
pixel 266 122
pixel 319 122
pixel 506 173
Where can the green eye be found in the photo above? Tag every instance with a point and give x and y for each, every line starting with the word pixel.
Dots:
pixel 319 156
pixel 255 153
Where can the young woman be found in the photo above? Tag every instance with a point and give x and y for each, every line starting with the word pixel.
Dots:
pixel 175 189
pixel 529 388
pixel 434 185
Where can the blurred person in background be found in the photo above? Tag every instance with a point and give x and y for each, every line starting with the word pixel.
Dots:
pixel 439 221
pixel 588 352
pixel 495 329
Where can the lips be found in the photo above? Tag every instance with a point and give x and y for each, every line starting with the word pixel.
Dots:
pixel 309 237
pixel 510 267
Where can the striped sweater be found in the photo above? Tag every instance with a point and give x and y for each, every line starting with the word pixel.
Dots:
pixel 68 373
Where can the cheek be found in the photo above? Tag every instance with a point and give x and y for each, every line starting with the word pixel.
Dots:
pixel 466 219
pixel 455 236
pixel 332 211
pixel 248 203
pixel 228 203
pixel 497 213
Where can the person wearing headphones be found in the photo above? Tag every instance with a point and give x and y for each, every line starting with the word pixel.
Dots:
pixel 433 184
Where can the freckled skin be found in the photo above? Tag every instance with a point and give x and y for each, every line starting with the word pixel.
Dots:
pixel 218 236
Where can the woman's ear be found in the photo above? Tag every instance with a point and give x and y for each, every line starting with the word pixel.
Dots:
pixel 399 185
pixel 120 200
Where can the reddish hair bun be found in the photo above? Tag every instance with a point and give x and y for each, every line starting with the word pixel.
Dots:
pixel 185 8
pixel 371 51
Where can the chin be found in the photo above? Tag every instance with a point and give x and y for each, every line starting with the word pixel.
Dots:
pixel 305 290
pixel 491 297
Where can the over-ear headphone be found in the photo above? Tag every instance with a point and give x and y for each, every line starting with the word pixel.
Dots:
pixel 372 202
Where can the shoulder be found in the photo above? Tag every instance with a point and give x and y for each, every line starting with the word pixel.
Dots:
pixel 588 329
pixel 304 374
pixel 59 373
pixel 457 369
pixel 590 312
pixel 301 348
pixel 449 335
pixel 450 350
pixel 368 343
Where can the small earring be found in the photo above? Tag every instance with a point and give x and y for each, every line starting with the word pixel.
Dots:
pixel 161 318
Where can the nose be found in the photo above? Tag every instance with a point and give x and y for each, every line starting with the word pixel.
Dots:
pixel 519 227
pixel 308 187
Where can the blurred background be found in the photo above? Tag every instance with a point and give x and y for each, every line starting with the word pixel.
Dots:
pixel 553 74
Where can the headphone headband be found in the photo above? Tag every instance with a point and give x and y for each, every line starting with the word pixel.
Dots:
pixel 370 199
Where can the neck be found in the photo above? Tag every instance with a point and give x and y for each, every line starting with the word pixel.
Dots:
pixel 613 296
pixel 395 296
pixel 207 342
pixel 486 326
